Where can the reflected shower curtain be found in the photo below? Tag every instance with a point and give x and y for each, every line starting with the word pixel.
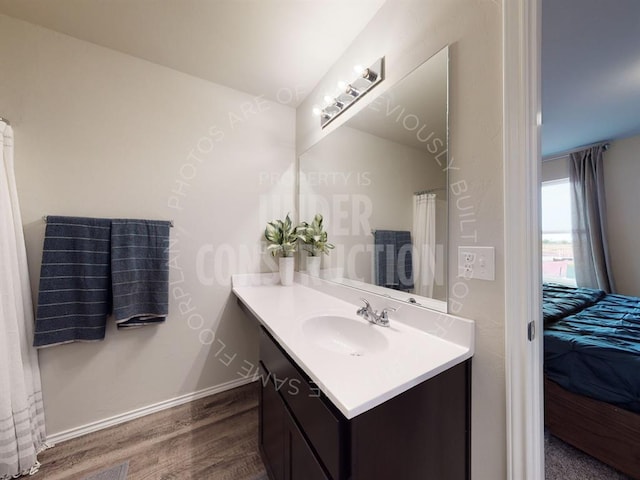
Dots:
pixel 424 242
pixel 22 432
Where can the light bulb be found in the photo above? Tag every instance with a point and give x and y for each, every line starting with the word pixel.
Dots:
pixel 317 110
pixel 332 110
pixel 359 69
pixel 329 99
pixel 342 85
pixel 369 75
pixel 349 90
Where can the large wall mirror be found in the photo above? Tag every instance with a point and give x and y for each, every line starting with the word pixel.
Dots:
pixel 380 182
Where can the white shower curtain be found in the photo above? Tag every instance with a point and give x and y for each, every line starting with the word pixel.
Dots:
pixel 424 242
pixel 22 433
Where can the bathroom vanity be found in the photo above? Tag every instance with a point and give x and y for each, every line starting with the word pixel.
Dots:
pixel 342 398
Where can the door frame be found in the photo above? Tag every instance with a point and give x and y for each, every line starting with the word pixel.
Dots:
pixel 522 120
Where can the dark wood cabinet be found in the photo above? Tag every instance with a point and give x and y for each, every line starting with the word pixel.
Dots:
pixel 285 450
pixel 302 461
pixel 421 434
pixel 273 433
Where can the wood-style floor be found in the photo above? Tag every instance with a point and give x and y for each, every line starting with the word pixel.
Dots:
pixel 212 438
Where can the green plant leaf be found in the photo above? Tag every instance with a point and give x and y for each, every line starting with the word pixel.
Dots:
pixel 281 237
pixel 314 237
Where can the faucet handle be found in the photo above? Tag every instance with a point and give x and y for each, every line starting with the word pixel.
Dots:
pixel 365 311
pixel 384 313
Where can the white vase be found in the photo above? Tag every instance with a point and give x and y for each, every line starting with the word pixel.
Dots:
pixel 285 265
pixel 313 265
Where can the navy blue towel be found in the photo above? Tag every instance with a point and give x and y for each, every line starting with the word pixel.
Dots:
pixel 140 271
pixel 394 259
pixel 74 298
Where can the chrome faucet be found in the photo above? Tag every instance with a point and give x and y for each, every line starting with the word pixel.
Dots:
pixel 370 314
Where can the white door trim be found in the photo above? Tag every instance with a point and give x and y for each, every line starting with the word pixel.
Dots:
pixel 521 97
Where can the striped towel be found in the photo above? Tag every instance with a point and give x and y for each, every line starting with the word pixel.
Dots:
pixel 74 297
pixel 140 271
pixel 393 259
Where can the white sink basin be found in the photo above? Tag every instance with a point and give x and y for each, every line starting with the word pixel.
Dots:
pixel 345 335
pixel 320 332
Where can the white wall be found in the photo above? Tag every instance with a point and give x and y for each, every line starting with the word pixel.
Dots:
pixel 554 169
pixel 622 187
pixel 407 32
pixel 99 133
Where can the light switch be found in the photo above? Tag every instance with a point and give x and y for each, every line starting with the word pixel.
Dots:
pixel 477 262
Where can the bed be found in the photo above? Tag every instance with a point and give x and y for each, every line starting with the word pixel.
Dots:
pixel 592 373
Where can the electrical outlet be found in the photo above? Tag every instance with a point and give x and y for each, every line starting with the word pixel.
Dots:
pixel 476 262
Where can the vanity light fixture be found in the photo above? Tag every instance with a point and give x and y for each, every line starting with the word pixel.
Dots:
pixel 349 93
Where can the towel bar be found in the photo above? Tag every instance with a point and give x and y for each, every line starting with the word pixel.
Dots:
pixel 44 217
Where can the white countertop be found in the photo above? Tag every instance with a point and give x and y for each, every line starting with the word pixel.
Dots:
pixel 356 384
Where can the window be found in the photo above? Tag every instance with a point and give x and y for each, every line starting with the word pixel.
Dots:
pixel 557 247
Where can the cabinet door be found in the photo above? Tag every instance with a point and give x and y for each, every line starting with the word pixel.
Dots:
pixel 302 463
pixel 323 428
pixel 421 434
pixel 272 431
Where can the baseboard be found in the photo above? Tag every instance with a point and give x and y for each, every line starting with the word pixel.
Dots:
pixel 141 412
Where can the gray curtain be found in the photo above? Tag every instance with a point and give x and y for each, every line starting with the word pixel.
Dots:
pixel 588 211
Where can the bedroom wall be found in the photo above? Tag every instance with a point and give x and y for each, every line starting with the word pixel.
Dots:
pixel 554 169
pixel 100 133
pixel 621 176
pixel 622 184
pixel 407 33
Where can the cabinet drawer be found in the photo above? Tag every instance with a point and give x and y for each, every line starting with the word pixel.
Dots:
pixel 303 464
pixel 318 422
pixel 272 431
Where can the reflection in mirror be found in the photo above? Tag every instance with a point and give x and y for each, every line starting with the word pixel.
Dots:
pixel 380 182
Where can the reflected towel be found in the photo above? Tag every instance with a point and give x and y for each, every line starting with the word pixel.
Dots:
pixel 394 259
pixel 74 296
pixel 140 271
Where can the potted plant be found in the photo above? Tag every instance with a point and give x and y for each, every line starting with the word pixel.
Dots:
pixel 314 239
pixel 282 237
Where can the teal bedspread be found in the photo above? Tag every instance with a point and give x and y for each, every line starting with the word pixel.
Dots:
pixel 596 351
pixel 559 301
